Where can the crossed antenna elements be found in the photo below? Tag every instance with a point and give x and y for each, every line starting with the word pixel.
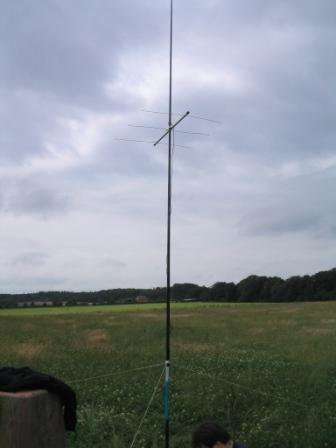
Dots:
pixel 167 130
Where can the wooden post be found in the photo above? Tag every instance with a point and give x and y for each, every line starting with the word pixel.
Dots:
pixel 31 419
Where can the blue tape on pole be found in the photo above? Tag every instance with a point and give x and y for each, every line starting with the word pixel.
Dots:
pixel 167 400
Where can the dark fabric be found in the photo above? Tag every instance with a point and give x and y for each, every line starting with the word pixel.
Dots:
pixel 21 379
pixel 239 445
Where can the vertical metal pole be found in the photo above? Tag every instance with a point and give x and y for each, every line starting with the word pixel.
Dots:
pixel 167 363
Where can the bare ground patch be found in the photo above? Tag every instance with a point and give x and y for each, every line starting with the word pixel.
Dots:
pixel 29 350
pixel 318 331
pixel 150 315
pixel 109 321
pixel 254 331
pixel 196 347
pixel 290 310
pixel 61 321
pixel 28 327
pixel 98 339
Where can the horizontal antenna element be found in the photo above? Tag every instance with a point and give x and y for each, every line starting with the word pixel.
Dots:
pixel 191 116
pixel 147 141
pixel 164 129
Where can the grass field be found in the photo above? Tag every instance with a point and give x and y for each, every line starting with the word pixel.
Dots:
pixel 266 371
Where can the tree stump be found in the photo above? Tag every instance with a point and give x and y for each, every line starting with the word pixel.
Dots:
pixel 31 419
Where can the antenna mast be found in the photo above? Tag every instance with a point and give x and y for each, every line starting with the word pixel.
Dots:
pixel 167 363
pixel 168 132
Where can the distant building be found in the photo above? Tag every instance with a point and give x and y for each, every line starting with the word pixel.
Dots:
pixel 42 303
pixel 141 299
pixel 35 303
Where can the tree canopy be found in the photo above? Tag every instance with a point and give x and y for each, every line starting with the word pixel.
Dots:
pixel 254 288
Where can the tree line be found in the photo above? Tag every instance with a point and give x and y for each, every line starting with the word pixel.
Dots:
pixel 255 288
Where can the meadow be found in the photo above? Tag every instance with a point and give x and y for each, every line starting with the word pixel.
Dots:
pixel 266 371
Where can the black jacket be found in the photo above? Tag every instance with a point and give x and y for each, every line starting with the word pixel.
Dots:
pixel 15 380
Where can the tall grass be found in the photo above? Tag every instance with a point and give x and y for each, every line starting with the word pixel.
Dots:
pixel 266 371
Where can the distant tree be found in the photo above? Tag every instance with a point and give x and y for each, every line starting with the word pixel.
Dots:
pixel 320 286
pixel 182 291
pixel 250 289
pixel 297 289
pixel 224 292
pixel 271 289
pixel 324 285
pixel 204 294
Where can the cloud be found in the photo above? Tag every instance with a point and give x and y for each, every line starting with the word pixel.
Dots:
pixel 74 75
pixel 112 262
pixel 30 259
pixel 29 198
pixel 301 203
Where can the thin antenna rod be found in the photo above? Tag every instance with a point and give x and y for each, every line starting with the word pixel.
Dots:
pixel 196 117
pixel 164 129
pixel 167 363
pixel 146 141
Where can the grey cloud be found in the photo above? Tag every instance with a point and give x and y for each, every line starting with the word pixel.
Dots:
pixel 237 16
pixel 266 73
pixel 271 130
pixel 113 263
pixel 36 259
pixel 56 59
pixel 303 204
pixel 36 200
pixel 47 52
pixel 285 52
pixel 31 283
pixel 274 222
pixel 68 49
pixel 24 121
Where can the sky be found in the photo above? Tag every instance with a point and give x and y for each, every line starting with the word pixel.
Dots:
pixel 81 210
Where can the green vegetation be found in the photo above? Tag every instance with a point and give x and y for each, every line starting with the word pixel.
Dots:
pixel 266 371
pixel 320 286
pixel 44 311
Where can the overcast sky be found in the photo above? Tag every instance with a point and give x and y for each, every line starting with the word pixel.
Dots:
pixel 83 211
